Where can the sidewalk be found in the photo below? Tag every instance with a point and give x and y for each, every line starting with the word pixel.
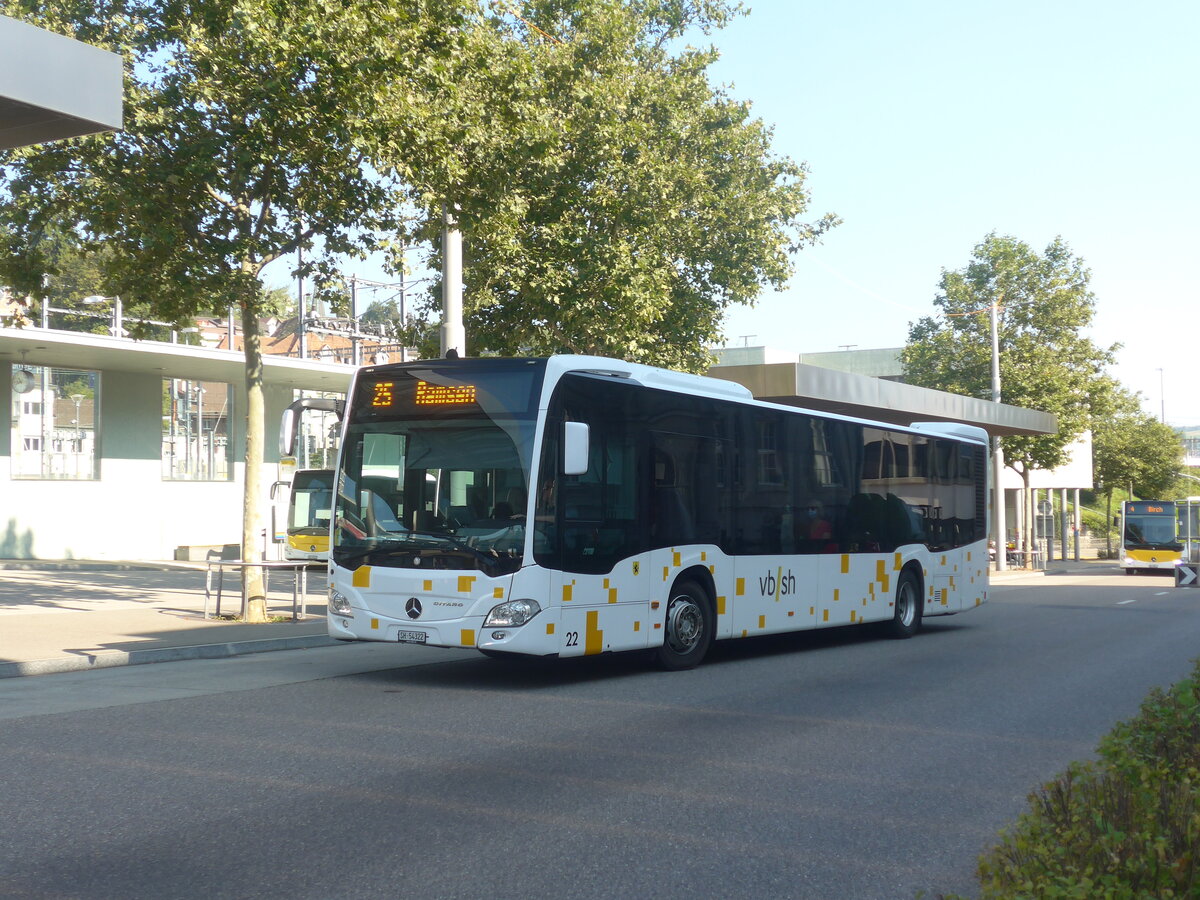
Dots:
pixel 64 616
pixel 1059 567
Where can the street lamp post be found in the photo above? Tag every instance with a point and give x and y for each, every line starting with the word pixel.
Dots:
pixel 1162 399
pixel 78 398
pixel 998 524
pixel 118 314
pixel 201 465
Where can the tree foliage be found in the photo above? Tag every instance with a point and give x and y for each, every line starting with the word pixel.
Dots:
pixel 612 200
pixel 239 146
pixel 1130 448
pixel 1044 303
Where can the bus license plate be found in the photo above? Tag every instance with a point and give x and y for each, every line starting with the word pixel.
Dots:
pixel 411 637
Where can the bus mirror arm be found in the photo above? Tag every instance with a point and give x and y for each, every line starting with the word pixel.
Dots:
pixel 575 448
pixel 290 423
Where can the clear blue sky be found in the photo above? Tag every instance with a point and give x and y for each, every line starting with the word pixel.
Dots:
pixel 927 125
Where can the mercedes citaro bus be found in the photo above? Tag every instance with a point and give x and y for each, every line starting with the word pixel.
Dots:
pixel 577 505
pixel 1149 538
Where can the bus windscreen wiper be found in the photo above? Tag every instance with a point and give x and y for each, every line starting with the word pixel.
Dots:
pixel 489 560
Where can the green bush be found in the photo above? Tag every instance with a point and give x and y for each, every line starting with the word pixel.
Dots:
pixel 1125 826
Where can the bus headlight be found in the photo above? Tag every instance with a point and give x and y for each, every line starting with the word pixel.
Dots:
pixel 512 613
pixel 338 602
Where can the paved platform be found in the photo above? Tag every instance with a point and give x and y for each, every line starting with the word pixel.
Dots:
pixel 69 615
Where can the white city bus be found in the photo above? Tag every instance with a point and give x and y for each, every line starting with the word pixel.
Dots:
pixel 578 505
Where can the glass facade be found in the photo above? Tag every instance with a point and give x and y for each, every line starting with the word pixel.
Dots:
pixel 195 430
pixel 54 422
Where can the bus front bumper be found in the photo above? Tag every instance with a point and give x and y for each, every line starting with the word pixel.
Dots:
pixel 466 632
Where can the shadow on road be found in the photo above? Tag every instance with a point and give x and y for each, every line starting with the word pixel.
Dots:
pixel 530 673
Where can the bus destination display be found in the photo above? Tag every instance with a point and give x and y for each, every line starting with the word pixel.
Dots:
pixel 443 394
pixel 384 394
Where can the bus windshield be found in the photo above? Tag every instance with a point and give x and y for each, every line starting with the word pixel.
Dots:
pixel 311 498
pixel 1150 526
pixel 435 471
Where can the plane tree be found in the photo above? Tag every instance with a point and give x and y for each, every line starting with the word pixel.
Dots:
pixel 1133 451
pixel 612 199
pixel 240 144
pixel 1044 304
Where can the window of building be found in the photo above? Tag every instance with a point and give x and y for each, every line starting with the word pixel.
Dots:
pixel 195 430
pixel 54 422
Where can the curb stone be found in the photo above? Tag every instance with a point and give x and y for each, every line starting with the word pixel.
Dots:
pixel 105 659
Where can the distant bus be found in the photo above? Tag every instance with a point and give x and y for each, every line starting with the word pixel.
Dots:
pixel 577 505
pixel 1149 536
pixel 310 502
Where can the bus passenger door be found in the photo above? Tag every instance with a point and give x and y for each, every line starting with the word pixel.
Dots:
pixel 602 581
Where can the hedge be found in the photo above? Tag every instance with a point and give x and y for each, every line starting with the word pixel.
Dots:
pixel 1124 826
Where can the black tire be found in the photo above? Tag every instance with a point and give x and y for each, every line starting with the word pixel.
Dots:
pixel 688 629
pixel 1131 571
pixel 906 620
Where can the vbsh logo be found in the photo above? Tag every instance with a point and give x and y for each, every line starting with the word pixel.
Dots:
pixel 777 584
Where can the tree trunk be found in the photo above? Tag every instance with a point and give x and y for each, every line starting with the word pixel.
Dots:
pixel 254 600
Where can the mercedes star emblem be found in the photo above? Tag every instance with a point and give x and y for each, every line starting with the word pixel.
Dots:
pixel 413 608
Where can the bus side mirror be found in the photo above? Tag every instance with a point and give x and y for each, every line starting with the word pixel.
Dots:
pixel 1116 521
pixel 576 437
pixel 287 432
pixel 290 423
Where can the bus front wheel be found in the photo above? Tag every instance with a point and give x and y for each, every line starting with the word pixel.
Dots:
pixel 906 621
pixel 689 628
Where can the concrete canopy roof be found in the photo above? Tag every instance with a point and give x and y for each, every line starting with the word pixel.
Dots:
pixel 73 350
pixel 828 390
pixel 54 87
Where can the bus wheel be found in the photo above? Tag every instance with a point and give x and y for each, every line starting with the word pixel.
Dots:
pixel 689 628
pixel 907 618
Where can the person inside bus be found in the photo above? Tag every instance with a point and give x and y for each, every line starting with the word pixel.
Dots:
pixel 817 527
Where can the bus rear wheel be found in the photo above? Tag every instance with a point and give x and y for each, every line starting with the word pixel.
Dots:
pixel 906 621
pixel 689 628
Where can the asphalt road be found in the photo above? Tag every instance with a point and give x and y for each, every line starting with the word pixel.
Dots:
pixel 828 765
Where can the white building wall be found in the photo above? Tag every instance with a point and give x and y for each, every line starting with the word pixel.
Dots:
pixel 130 511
